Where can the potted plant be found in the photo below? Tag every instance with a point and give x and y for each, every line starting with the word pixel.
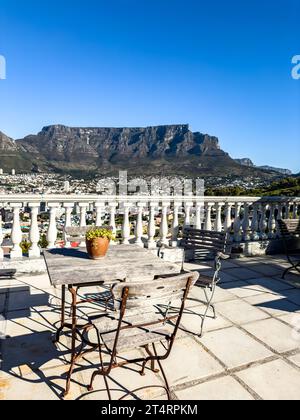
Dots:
pixel 97 241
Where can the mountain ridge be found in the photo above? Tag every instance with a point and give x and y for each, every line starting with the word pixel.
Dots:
pixel 166 149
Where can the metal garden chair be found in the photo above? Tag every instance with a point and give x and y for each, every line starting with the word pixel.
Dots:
pixel 138 322
pixel 290 233
pixel 203 245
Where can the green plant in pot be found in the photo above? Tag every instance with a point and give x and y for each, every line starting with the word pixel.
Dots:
pixel 98 240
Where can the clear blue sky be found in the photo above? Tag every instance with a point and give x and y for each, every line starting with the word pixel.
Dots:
pixel 224 67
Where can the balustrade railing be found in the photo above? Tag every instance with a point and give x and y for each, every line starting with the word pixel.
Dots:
pixel 145 220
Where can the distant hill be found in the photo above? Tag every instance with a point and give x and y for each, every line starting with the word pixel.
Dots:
pixel 159 150
pixel 248 162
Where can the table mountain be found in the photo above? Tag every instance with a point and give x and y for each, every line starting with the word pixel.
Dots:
pixel 169 150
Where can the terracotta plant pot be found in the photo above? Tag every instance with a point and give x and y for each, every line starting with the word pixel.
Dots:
pixel 97 248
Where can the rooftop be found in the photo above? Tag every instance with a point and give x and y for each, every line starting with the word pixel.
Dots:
pixel 251 351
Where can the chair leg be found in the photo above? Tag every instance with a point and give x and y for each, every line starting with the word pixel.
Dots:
pixel 167 386
pixel 209 305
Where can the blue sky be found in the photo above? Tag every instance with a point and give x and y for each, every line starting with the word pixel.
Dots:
pixel 223 67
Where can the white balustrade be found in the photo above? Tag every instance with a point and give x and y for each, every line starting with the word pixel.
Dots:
pixel 258 222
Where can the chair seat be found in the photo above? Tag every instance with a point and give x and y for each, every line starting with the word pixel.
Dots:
pixel 7 273
pixel 204 281
pixel 131 338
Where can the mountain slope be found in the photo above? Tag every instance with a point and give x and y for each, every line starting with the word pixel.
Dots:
pixel 169 150
pixel 12 156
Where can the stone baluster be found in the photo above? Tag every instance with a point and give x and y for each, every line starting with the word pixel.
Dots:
pixel 228 218
pixel 52 230
pixel 68 220
pixel 208 223
pixel 112 217
pixel 1 237
pixel 246 222
pixel 99 213
pixel 34 234
pixel 287 210
pixel 16 233
pixel 280 212
pixel 175 225
pixel 151 244
pixel 218 224
pixel 254 223
pixel 164 227
pixel 263 222
pixel 139 225
pixel 83 209
pixel 237 223
pixel 187 220
pixel 272 222
pixel 126 224
pixel 199 215
pixel 295 210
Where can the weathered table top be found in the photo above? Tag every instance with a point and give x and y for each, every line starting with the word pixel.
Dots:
pixel 130 262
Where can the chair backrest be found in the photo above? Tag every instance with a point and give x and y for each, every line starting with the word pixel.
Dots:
pixel 289 227
pixel 203 244
pixel 146 304
pixel 290 233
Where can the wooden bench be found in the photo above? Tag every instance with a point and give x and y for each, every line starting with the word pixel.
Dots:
pixel 204 245
pixel 290 232
pixel 7 273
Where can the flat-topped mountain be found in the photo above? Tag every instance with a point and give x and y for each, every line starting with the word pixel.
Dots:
pixel 158 150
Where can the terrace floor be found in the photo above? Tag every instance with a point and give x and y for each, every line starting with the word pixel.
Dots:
pixel 251 351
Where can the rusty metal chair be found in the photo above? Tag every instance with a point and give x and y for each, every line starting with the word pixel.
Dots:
pixel 138 322
pixel 290 233
pixel 204 246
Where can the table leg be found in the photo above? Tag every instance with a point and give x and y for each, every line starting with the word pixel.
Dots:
pixel 74 335
pixel 63 309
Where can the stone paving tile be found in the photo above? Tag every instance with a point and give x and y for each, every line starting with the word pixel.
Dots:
pixel 270 284
pixel 191 321
pixel 234 347
pixel 37 351
pixel 240 312
pixel 275 334
pixel 38 386
pixel 242 289
pixel 296 360
pixel 225 277
pixel 27 299
pixel 221 295
pixel 293 295
pixel 123 380
pixel 267 270
pixel 273 304
pixel 241 273
pixel 293 319
pixel 17 326
pixel 188 362
pixel 224 389
pixel 2 303
pixel 273 381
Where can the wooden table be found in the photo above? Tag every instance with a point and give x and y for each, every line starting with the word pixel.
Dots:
pixel 130 262
pixel 73 268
